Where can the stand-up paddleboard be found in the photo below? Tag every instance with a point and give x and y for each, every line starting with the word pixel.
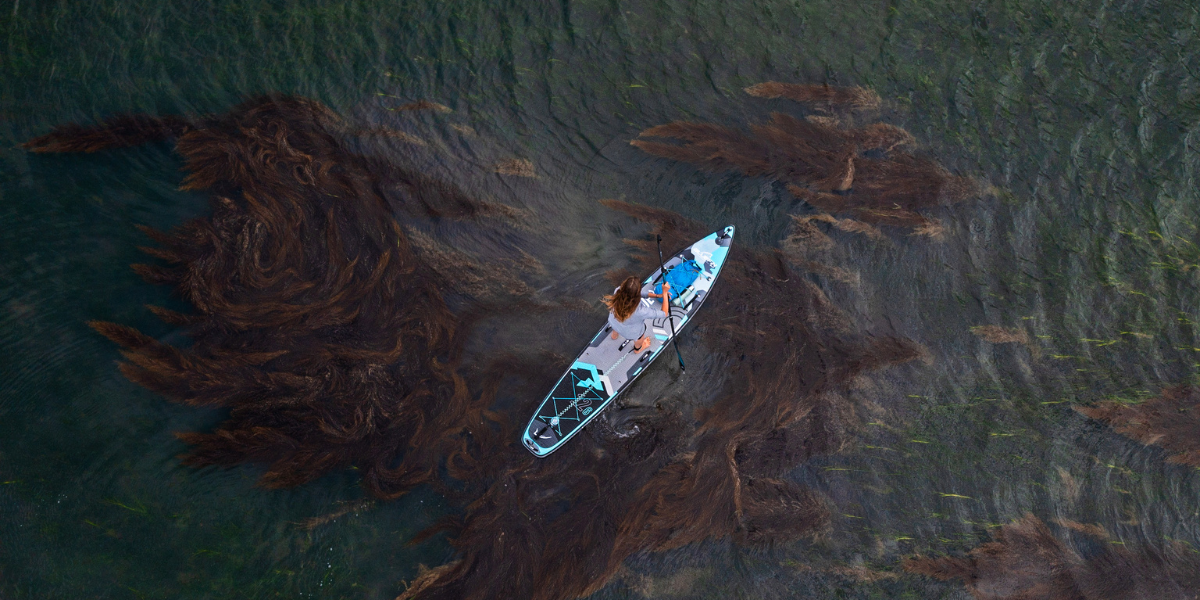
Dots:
pixel 607 366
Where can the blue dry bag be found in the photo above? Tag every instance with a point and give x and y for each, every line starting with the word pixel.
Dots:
pixel 680 277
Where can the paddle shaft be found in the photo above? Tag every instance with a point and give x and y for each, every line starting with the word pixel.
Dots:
pixel 662 273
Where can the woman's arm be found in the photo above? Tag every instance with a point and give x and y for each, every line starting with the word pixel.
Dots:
pixel 665 295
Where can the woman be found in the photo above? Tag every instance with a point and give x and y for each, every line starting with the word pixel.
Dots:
pixel 627 316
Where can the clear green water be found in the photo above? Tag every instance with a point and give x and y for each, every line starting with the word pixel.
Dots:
pixel 1085 116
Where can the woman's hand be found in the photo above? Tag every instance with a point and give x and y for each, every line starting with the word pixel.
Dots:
pixel 666 295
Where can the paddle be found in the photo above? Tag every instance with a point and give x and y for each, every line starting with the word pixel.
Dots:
pixel 663 274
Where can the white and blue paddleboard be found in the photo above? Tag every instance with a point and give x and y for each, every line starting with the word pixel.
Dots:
pixel 607 366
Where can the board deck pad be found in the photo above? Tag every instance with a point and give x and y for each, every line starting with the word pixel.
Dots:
pixel 607 366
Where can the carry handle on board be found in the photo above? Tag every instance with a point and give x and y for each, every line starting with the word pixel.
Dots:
pixel 662 273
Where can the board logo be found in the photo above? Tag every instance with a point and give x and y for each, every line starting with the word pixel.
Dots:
pixel 582 400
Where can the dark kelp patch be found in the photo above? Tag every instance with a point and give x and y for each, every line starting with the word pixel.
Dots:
pixel 1170 420
pixel 562 528
pixel 862 172
pixel 1026 561
pixel 314 321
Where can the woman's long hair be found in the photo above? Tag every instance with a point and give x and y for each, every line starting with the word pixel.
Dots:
pixel 625 300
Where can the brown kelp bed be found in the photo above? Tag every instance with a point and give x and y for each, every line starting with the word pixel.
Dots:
pixel 561 527
pixel 824 159
pixel 1027 561
pixel 314 322
pixel 1170 420
pixel 320 322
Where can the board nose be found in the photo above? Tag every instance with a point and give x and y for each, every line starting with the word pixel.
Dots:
pixel 726 236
